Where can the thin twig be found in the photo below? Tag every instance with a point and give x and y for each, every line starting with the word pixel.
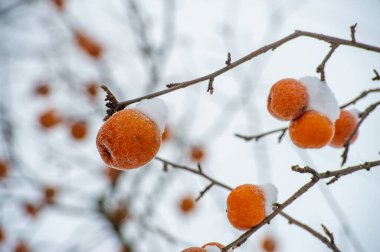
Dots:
pixel 112 103
pixel 363 116
pixel 321 67
pixel 328 242
pixel 257 137
pixel 210 88
pixel 204 191
pixel 228 61
pixel 377 76
pixel 353 31
pixel 329 39
pixel 328 233
pixel 305 169
pixel 361 96
pixel 195 171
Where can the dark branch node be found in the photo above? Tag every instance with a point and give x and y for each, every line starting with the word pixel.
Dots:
pixel 353 31
pixel 305 169
pixel 228 61
pixel 165 167
pixel 210 88
pixel 333 180
pixel 200 167
pixel 281 136
pixel 111 103
pixel 377 76
pixel 171 85
pixel 328 233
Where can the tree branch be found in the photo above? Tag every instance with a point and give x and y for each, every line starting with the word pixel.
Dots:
pixel 363 116
pixel 329 242
pixel 315 178
pixel 361 96
pixel 329 39
pixel 193 170
pixel 257 137
pixel 321 67
pixel 296 195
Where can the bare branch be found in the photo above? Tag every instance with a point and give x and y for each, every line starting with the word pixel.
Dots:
pixel 195 171
pixel 204 191
pixel 321 67
pixel 363 116
pixel 328 233
pixel 329 39
pixel 328 242
pixel 305 169
pixel 257 137
pixel 279 207
pixel 361 96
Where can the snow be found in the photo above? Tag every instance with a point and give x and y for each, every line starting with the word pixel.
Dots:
pixel 270 194
pixel 156 110
pixel 355 112
pixel 321 98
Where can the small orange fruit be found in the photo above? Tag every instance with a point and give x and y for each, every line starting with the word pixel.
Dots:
pixel 119 214
pixel 92 89
pixel 3 169
pixel 197 154
pixel 248 205
pixel 21 247
pixel 128 139
pixel 126 248
pixel 311 130
pixel 268 244
pixel 49 118
pixel 287 99
pixel 187 204
pixel 50 194
pixel 194 249
pixel 31 209
pixel 88 45
pixel 59 4
pixel 79 130
pixel 2 235
pixel 344 127
pixel 42 89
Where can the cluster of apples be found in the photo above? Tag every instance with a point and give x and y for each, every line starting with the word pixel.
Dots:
pixel 313 112
pixel 132 137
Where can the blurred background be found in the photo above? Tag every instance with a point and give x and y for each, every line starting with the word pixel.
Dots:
pixel 57 195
